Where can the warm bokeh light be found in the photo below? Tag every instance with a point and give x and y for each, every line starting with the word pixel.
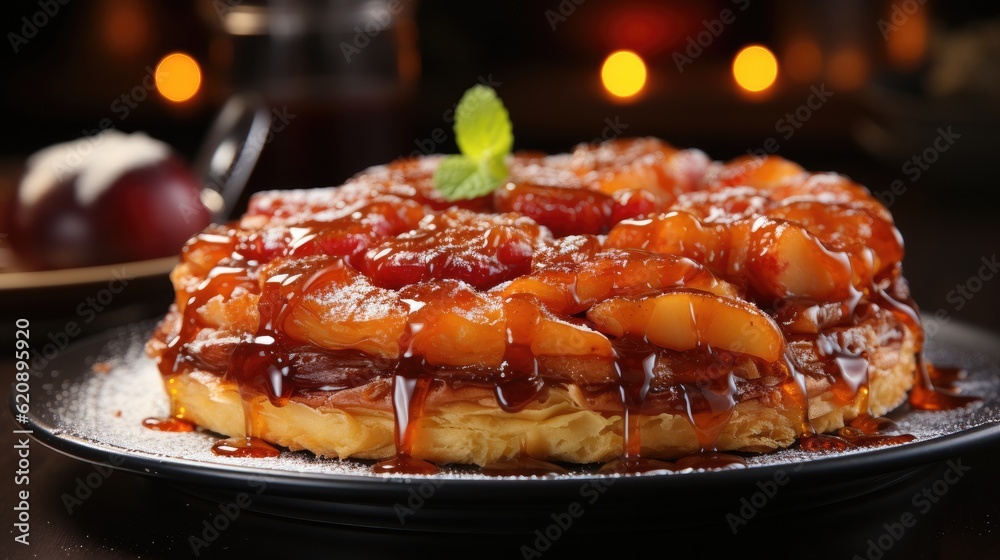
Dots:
pixel 178 77
pixel 642 27
pixel 623 74
pixel 755 68
pixel 803 60
pixel 847 68
pixel 907 44
pixel 126 27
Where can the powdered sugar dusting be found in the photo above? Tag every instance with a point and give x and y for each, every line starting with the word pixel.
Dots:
pixel 358 301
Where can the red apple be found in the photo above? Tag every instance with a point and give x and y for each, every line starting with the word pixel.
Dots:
pixel 106 199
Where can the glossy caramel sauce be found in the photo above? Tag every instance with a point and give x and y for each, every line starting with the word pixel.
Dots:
pixel 244 447
pixel 863 431
pixel 427 283
pixel 409 393
pixel 167 424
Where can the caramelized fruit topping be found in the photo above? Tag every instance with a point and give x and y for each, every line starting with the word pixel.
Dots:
pixel 649 277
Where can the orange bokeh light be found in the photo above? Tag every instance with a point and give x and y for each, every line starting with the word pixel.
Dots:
pixel 178 77
pixel 803 59
pixel 847 68
pixel 755 68
pixel 907 45
pixel 623 74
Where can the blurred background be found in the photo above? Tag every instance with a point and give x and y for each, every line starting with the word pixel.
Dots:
pixel 902 96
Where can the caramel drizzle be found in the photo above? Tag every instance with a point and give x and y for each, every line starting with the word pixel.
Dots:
pixel 260 368
pixel 259 364
pixel 410 387
pixel 925 394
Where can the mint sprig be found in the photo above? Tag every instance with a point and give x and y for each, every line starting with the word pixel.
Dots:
pixel 485 137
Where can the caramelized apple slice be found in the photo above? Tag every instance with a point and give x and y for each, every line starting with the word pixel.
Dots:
pixel 545 190
pixel 234 314
pixel 564 210
pixel 209 248
pixel 848 228
pixel 840 220
pixel 571 288
pixel 451 324
pixel 784 260
pixel 304 226
pixel 675 233
pixel 640 163
pixel 725 205
pixel 565 251
pixel 560 338
pixel 829 188
pixel 411 178
pixel 299 205
pixel 779 259
pixel 530 324
pixel 809 317
pixel 337 230
pixel 195 291
pixel 684 320
pixel 753 171
pixel 631 204
pixel 480 250
pixel 331 305
pixel 555 289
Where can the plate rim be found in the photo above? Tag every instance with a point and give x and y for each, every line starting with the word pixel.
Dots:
pixel 180 469
pixel 63 277
pixel 889 459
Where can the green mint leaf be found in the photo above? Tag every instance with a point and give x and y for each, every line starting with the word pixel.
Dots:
pixel 458 177
pixel 484 135
pixel 497 167
pixel 482 125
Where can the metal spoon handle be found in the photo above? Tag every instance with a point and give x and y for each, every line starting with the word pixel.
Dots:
pixel 231 150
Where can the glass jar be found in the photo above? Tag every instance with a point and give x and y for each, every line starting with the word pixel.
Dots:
pixel 338 75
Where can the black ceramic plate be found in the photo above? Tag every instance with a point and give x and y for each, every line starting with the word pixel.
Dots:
pixel 95 414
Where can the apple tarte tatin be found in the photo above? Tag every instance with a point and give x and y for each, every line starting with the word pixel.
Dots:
pixel 624 303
